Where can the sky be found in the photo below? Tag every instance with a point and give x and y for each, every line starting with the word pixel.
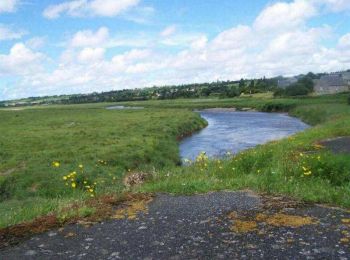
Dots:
pixel 52 47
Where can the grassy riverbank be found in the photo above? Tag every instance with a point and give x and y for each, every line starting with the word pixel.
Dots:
pixel 54 157
pixel 297 166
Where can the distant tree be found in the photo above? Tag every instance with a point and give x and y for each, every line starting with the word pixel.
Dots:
pixel 307 82
pixel 296 90
pixel 241 84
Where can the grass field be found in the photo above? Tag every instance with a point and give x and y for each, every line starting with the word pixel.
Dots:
pixel 51 157
pixel 39 148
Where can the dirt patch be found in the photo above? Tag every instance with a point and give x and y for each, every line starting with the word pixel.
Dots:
pixel 285 220
pixel 14 234
pixel 136 178
pixel 270 202
pixel 272 214
pixel 241 226
pixel 244 224
pixel 132 209
pixel 105 207
pixel 12 170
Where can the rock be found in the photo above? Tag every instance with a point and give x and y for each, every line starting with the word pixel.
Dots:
pixel 30 253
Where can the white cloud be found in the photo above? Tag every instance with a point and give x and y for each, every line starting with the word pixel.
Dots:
pixel 140 14
pixel 36 42
pixel 91 55
pixel 199 43
pixel 171 29
pixel 108 8
pixel 7 33
pixel 20 61
pixel 111 7
pixel 334 5
pixel 88 38
pixel 8 6
pixel 234 38
pixel 282 15
pixel 344 41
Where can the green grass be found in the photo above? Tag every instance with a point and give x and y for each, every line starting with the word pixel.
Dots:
pixel 109 143
pixel 32 139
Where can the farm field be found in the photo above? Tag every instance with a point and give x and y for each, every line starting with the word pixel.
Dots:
pixel 57 157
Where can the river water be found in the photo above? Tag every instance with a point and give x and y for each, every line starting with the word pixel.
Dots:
pixel 230 131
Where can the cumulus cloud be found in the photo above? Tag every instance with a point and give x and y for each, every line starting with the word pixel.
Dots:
pixel 88 38
pixel 8 6
pixel 20 61
pixel 91 55
pixel 281 15
pixel 107 8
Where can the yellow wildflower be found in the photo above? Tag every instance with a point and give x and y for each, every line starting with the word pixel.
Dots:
pixel 56 164
pixel 81 166
pixel 64 177
pixel 307 173
pixel 74 185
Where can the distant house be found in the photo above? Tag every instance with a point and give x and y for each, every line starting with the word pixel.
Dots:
pixel 286 82
pixel 332 83
pixel 346 77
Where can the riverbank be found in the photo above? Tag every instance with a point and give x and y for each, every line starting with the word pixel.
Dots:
pixel 297 166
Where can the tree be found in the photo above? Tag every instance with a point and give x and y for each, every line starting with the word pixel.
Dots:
pixel 241 84
pixel 307 82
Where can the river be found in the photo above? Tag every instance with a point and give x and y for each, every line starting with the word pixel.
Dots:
pixel 231 131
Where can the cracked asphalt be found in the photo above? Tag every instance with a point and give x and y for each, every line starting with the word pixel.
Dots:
pixel 199 227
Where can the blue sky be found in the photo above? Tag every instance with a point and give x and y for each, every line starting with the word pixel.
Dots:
pixel 80 46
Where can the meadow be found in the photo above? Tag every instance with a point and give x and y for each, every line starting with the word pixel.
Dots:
pixel 54 156
pixel 51 157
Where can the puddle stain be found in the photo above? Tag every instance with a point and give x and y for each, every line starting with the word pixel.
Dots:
pixel 346 221
pixel 244 224
pixel 241 226
pixel 285 220
pixel 132 210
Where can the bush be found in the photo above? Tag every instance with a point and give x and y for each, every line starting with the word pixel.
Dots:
pixel 279 92
pixel 303 87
